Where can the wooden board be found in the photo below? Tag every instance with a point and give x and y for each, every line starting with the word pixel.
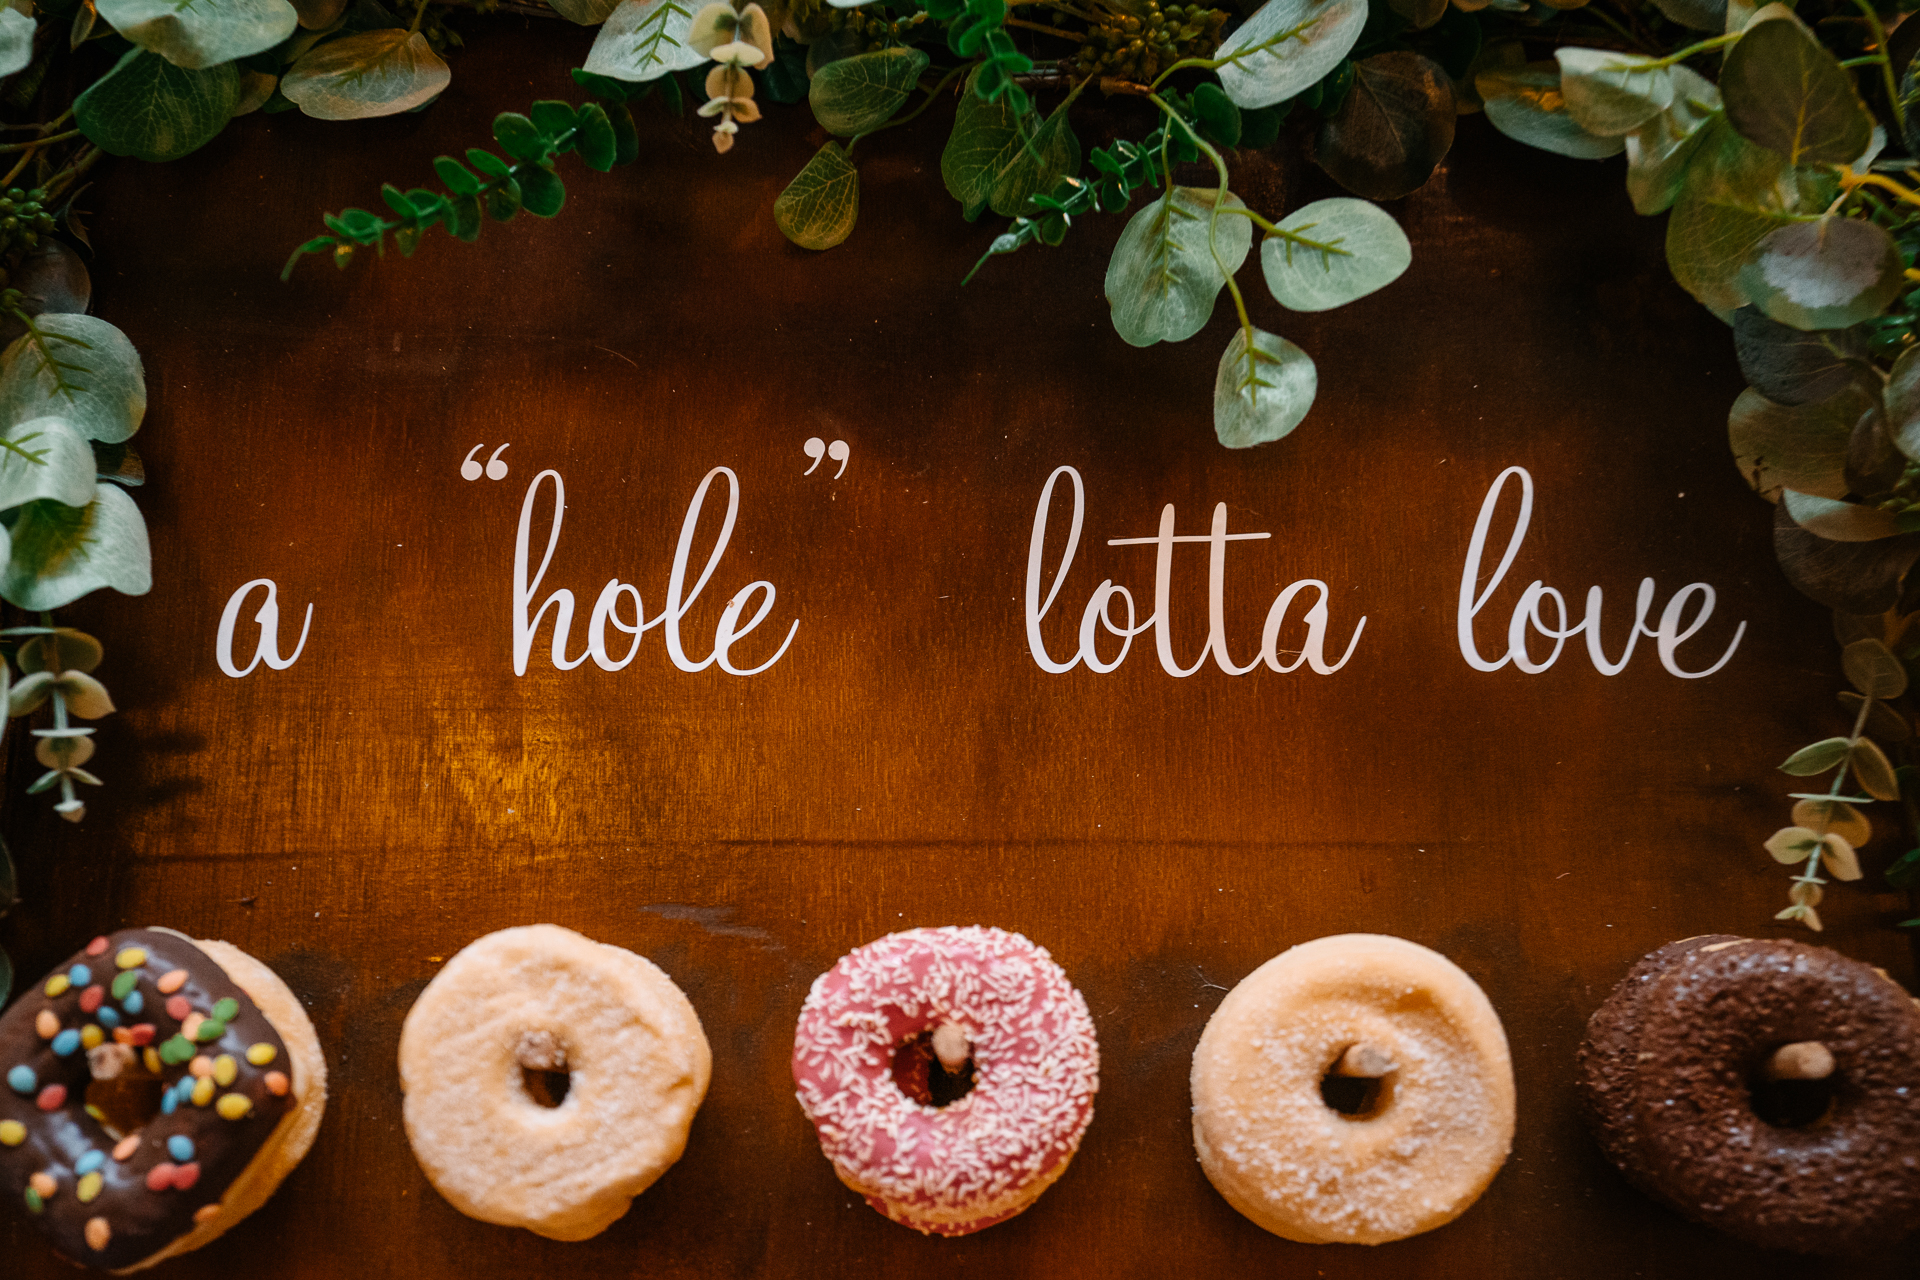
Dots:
pixel 398 791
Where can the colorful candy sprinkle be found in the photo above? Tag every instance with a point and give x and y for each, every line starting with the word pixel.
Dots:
pixel 92 1037
pixel 99 1234
pixel 108 1018
pixel 79 975
pixel 191 1027
pixel 34 1203
pixel 206 1213
pixel 225 1070
pixel 45 1185
pixel 131 957
pixel 56 986
pixel 65 1043
pixel 95 1112
pixel 89 1188
pixel 225 1009
pixel 141 1036
pixel 277 1084
pixel 180 1147
pixel 160 1177
pixel 150 1058
pixel 98 947
pixel 185 1176
pixel 47 1023
pixel 179 1008
pixel 169 1102
pixel 172 982
pixel 133 1004
pixel 92 998
pixel 12 1133
pixel 202 1092
pixel 22 1079
pixel 89 1162
pixel 210 1029
pixel 124 983
pixel 175 1051
pixel 234 1106
pixel 52 1098
pixel 126 1147
pixel 261 1054
pixel 201 1067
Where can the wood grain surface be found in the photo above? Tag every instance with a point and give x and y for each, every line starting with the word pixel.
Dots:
pixel 398 791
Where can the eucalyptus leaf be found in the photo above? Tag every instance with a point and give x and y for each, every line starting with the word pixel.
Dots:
pixel 1392 131
pixel 374 73
pixel 1902 397
pixel 821 204
pixel 1526 104
pixel 105 392
pixel 1659 150
pixel 1839 521
pixel 1801 447
pixel 1826 274
pixel 1837 854
pixel 987 164
pixel 1858 577
pixel 859 94
pixel 585 13
pixel 1420 14
pixel 1790 845
pixel 1610 93
pixel 1874 772
pixel 1163 277
pixel 644 40
pixel 1836 816
pixel 1873 464
pixel 1784 91
pixel 202 33
pixel 1873 669
pixel 64 471
pixel 1734 193
pixel 1269 65
pixel 1882 721
pixel 60 553
pixel 1052 153
pixel 1701 15
pixel 1818 758
pixel 1792 366
pixel 72 651
pixel 1262 390
pixel 319 15
pixel 148 108
pixel 1356 248
pixel 16 51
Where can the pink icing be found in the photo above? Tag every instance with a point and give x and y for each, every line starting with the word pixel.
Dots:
pixel 980 1160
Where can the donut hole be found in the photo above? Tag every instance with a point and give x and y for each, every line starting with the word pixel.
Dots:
pixel 1789 1104
pixel 1356 1097
pixel 126 1102
pixel 920 1076
pixel 546 1088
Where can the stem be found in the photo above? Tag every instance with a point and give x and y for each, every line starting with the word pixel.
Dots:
pixel 1291 237
pixel 1886 63
pixel 932 94
pixel 419 16
pixel 1046 30
pixel 1849 180
pixel 1674 59
pixel 1212 64
pixel 1219 198
pixel 37 143
pixel 1811 874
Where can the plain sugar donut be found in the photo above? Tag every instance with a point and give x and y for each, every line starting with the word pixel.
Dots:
pixel 1438 1131
pixel 987 1156
pixel 545 998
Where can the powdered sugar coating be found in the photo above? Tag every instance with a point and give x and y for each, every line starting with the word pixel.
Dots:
pixel 980 1160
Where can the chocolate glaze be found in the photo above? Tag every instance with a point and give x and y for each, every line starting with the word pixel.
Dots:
pixel 1665 1079
pixel 142 1221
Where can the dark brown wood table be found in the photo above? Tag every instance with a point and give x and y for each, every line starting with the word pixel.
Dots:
pixel 398 791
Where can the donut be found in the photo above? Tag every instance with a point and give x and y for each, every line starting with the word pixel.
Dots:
pixel 540 999
pixel 1417 1143
pixel 998 1014
pixel 213 1034
pixel 1675 1064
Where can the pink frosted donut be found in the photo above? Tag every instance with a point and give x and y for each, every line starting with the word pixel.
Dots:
pixel 1034 1061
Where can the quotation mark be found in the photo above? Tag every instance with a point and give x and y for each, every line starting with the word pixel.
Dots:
pixel 494 470
pixel 816 448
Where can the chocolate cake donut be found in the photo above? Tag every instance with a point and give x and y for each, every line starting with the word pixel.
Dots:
pixel 1677 1066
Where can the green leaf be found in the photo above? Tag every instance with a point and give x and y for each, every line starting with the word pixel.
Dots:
pixel 1839 521
pixel 519 137
pixel 458 178
pixel 596 141
pixel 503 201
pixel 1526 104
pixel 859 94
pixel 1789 845
pixel 152 110
pixel 643 40
pixel 1262 390
pixel 1217 117
pixel 16 51
pixel 1855 577
pixel 585 13
pixel 1362 249
pixel 553 118
pixel 541 191
pixel 88 375
pixel 626 139
pixel 986 165
pixel 1163 278
pixel 72 650
pixel 487 162
pixel 785 78
pixel 1790 366
pixel 821 204
pixel 1874 771
pixel 1393 129
pixel 1610 93
pixel 1421 14
pixel 1905 873
pixel 1270 65
pixel 60 553
pixel 463 219
pixel 1733 194
pixel 1659 150
pixel 1802 447
pixel 1826 274
pixel 1818 758
pixel 1701 15
pixel 64 472
pixel 1872 669
pixel 374 73
pixel 1784 91
pixel 201 33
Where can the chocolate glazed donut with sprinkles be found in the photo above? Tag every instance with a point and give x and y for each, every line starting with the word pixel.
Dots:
pixel 240 1092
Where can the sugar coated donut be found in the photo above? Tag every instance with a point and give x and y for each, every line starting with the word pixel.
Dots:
pixel 241 1087
pixel 876 1019
pixel 1677 1061
pixel 544 999
pixel 1421 1143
